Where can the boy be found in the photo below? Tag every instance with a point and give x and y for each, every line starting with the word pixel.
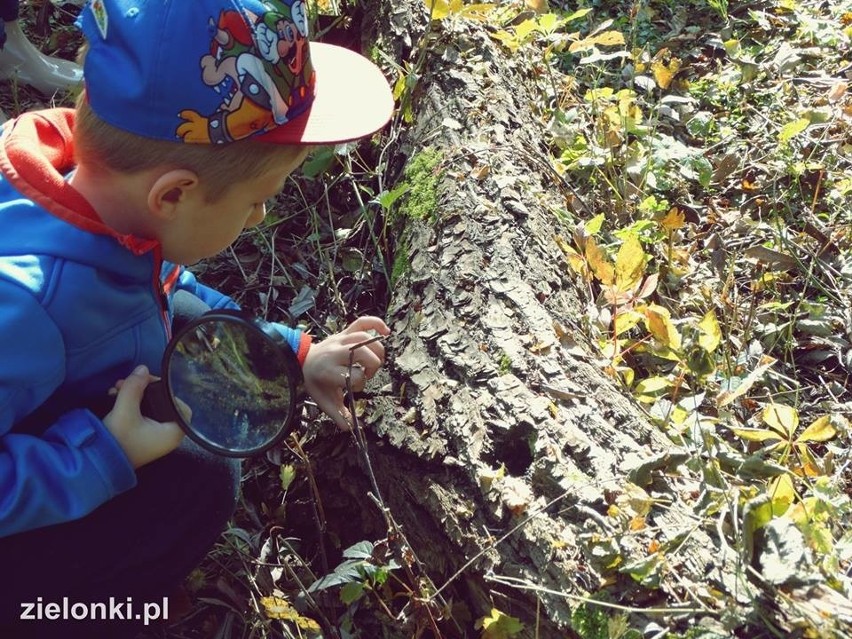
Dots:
pixel 193 115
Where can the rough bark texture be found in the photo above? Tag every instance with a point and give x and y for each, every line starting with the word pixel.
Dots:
pixel 488 362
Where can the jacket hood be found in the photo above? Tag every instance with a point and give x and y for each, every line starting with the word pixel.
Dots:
pixel 36 155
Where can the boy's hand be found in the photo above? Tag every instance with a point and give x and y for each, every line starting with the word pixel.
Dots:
pixel 327 365
pixel 142 439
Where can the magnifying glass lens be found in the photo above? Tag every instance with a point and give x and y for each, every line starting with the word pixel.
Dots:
pixel 231 386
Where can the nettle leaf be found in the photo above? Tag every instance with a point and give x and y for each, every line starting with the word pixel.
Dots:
pixel 351 592
pixel 579 13
pixel 361 550
pixel 821 430
pixel 781 418
pixel 594 225
pixel 345 573
pixel 387 199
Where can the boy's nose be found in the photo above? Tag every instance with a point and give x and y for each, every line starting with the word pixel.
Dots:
pixel 257 217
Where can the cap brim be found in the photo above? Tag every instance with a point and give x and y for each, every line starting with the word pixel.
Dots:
pixel 352 100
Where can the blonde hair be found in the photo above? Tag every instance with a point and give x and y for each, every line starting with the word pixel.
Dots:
pixel 219 167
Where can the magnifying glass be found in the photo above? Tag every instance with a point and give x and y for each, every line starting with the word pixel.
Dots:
pixel 230 382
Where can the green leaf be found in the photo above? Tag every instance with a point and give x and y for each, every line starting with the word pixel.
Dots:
pixel 579 13
pixel 287 474
pixel 319 162
pixel 386 199
pixel 594 225
pixel 361 550
pixel 351 592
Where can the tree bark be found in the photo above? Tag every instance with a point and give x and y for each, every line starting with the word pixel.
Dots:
pixel 489 368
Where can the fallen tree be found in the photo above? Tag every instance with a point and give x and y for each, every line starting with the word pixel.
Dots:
pixel 504 447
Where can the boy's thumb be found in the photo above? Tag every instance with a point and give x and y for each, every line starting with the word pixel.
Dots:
pixel 133 388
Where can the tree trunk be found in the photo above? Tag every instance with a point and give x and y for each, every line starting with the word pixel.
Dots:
pixel 489 369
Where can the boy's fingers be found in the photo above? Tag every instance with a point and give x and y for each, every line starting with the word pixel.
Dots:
pixel 335 409
pixel 357 378
pixel 131 389
pixel 368 362
pixel 368 323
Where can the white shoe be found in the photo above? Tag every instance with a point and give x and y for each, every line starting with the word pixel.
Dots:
pixel 20 58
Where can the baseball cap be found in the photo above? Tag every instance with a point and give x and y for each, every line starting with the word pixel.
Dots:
pixel 216 71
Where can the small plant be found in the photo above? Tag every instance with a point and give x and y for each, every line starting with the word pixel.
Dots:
pixel 362 579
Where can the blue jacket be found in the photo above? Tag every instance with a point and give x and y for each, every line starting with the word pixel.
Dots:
pixel 80 307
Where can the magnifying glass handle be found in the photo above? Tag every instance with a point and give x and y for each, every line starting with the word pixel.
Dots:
pixel 157 404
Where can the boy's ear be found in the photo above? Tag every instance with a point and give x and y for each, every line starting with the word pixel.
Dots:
pixel 170 190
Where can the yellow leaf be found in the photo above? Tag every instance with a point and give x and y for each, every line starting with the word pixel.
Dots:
pixel 478 12
pixel 757 434
pixel 576 261
pixel 782 418
pixel 499 625
pixel 609 38
pixel 673 220
pixel 629 264
pixel 605 39
pixel 808 466
pixel 306 623
pixel 792 129
pixel 601 267
pixel 440 9
pixel 637 524
pixel 539 6
pixel 664 72
pixel 711 334
pixel 659 323
pixel 782 493
pixel 278 608
pixel 649 389
pixel 625 320
pixel 634 501
pixel 821 430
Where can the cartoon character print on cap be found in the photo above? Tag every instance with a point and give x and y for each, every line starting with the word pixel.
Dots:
pixel 260 66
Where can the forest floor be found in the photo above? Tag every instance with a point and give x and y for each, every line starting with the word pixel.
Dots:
pixel 709 149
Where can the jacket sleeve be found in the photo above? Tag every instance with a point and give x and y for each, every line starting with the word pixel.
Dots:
pixel 76 464
pixel 210 296
pixel 296 338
